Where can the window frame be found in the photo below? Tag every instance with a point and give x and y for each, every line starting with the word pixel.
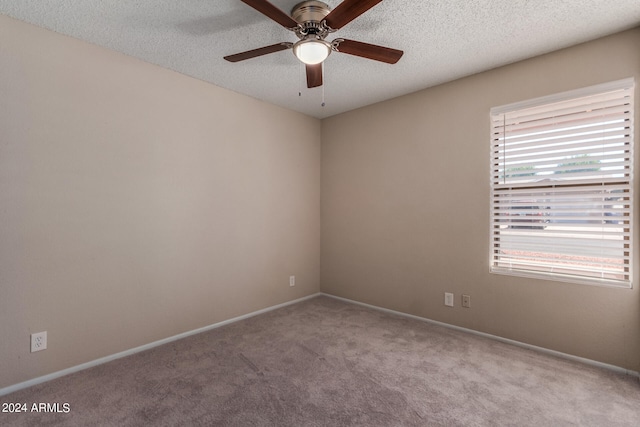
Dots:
pixel 496 239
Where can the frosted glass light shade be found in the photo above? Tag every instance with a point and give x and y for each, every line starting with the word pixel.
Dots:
pixel 311 51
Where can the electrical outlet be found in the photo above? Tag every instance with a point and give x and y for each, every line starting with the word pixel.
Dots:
pixel 448 299
pixel 292 280
pixel 466 301
pixel 38 341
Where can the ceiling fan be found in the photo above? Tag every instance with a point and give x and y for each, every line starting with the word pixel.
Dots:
pixel 312 22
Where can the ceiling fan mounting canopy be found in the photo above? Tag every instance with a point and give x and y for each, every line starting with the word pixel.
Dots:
pixel 310 12
pixel 312 21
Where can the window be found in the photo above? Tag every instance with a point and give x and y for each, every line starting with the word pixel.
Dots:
pixel 561 186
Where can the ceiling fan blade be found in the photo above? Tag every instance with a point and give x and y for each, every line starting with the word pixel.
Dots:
pixel 258 52
pixel 314 75
pixel 347 11
pixel 269 10
pixel 370 51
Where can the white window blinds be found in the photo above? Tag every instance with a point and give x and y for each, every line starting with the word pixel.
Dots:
pixel 561 186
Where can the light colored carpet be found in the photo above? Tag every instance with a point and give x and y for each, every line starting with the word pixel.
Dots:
pixel 324 362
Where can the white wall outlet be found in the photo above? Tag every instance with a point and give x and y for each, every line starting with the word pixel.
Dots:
pixel 466 301
pixel 448 299
pixel 38 341
pixel 292 280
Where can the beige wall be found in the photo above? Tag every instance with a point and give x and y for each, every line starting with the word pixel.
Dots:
pixel 405 205
pixel 137 203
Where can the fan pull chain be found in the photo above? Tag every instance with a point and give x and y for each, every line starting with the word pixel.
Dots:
pixel 300 80
pixel 323 84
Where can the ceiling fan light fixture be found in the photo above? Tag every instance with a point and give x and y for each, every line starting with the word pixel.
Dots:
pixel 311 50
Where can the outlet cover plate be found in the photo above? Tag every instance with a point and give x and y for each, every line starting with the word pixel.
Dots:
pixel 448 299
pixel 38 341
pixel 466 301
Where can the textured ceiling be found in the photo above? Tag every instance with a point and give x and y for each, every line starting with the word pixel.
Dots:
pixel 442 39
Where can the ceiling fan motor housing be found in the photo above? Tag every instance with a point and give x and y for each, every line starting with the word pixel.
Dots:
pixel 310 15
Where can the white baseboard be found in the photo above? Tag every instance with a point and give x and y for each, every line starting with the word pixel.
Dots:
pixel 91 364
pixel 81 367
pixel 495 337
